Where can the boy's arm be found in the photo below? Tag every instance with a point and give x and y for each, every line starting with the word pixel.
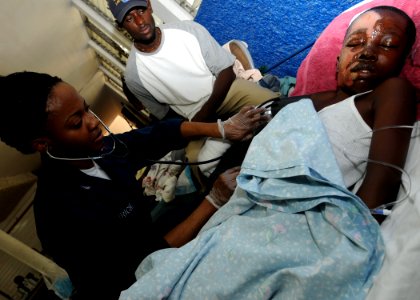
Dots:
pixel 394 105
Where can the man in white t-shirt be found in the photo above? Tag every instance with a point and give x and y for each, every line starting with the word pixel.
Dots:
pixel 181 67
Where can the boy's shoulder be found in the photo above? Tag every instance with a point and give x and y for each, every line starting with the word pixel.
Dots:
pixel 394 88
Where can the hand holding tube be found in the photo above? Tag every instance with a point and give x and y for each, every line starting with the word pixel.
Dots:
pixel 223 187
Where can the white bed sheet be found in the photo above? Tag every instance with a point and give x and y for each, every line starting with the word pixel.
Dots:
pixel 399 276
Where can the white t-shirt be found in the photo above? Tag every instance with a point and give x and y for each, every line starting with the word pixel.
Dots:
pixel 185 82
pixel 180 73
pixel 96 171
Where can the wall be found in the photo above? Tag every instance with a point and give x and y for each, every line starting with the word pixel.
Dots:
pixel 44 36
pixel 273 29
pixel 169 11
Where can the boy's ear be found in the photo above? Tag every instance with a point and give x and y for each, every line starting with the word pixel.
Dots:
pixel 40 144
pixel 410 58
pixel 336 66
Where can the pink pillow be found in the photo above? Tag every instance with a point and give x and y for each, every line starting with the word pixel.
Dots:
pixel 317 71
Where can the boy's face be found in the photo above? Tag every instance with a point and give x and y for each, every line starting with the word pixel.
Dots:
pixel 373 50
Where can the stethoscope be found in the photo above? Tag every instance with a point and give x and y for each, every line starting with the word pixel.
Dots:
pixel 114 142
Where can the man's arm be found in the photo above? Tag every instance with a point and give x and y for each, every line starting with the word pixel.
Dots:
pixel 221 88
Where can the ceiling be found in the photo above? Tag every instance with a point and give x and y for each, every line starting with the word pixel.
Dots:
pixel 112 45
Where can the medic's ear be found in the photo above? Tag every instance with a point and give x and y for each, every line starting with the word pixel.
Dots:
pixel 40 144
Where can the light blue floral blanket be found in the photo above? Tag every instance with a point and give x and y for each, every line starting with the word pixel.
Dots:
pixel 290 231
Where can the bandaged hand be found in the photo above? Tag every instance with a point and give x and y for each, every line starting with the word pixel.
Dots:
pixel 223 187
pixel 241 126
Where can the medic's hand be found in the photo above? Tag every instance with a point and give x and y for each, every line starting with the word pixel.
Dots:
pixel 223 187
pixel 241 126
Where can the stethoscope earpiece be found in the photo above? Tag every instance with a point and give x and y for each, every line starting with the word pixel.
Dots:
pixel 89 157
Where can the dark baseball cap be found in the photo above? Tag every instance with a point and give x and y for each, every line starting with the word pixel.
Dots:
pixel 120 8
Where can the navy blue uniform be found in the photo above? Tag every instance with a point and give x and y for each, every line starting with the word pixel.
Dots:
pixel 99 230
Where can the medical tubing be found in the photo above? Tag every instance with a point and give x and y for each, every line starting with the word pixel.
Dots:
pixel 407 190
pixel 383 212
pixel 269 102
pixel 169 162
pixel 383 209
